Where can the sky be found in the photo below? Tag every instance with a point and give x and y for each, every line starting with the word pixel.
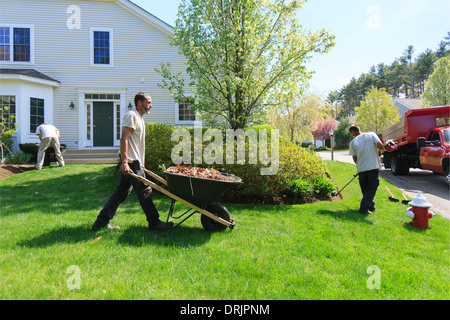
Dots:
pixel 368 32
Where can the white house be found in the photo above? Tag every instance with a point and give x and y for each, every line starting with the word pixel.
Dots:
pixel 78 65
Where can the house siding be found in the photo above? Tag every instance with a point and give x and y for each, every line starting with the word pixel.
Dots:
pixel 64 54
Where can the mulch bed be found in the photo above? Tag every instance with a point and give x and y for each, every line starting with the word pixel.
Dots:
pixel 234 197
pixel 8 170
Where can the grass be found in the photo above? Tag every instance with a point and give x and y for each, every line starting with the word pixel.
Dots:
pixel 314 251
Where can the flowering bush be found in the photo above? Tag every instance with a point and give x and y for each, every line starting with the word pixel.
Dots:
pixel 295 163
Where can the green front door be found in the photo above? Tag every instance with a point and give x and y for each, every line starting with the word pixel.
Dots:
pixel 103 124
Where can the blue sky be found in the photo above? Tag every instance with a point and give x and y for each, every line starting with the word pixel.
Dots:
pixel 368 32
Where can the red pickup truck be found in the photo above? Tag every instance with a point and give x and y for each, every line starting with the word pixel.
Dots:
pixel 421 141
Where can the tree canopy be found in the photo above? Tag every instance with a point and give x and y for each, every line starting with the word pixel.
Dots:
pixel 405 77
pixel 298 120
pixel 377 112
pixel 240 54
pixel 437 89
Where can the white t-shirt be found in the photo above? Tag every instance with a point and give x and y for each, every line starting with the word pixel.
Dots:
pixel 364 147
pixel 136 143
pixel 47 131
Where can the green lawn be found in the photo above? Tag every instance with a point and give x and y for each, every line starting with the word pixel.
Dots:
pixel 315 251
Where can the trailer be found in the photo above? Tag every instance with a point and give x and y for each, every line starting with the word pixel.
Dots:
pixel 421 141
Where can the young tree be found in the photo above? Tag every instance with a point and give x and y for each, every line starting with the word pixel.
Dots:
pixel 322 131
pixel 424 67
pixel 297 120
pixel 238 52
pixel 437 88
pixel 341 135
pixel 407 58
pixel 377 112
pixel 7 130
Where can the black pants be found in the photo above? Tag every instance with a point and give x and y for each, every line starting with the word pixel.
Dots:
pixel 123 189
pixel 368 181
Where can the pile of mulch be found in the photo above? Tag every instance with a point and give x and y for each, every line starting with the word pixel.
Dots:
pixel 7 170
pixel 197 172
pixel 235 197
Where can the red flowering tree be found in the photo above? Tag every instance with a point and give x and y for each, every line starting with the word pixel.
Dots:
pixel 323 128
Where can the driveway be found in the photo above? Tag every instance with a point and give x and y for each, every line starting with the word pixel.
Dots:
pixel 433 187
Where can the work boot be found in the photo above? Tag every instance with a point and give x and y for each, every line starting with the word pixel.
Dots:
pixel 98 225
pixel 366 211
pixel 161 226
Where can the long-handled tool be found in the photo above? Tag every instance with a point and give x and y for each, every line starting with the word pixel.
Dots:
pixel 392 196
pixel 334 193
pixel 406 201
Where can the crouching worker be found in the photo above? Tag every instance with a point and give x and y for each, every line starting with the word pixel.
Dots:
pixel 49 136
pixel 132 154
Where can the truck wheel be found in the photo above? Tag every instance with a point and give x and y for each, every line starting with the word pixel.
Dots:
pixel 387 160
pixel 397 166
pixel 219 211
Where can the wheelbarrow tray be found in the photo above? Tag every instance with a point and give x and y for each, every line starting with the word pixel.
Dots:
pixel 219 188
pixel 198 191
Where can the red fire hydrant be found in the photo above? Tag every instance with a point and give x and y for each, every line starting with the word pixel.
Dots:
pixel 419 211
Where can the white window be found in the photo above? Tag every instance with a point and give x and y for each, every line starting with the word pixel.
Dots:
pixel 36 113
pixel 16 43
pixel 184 113
pixel 101 47
pixel 8 111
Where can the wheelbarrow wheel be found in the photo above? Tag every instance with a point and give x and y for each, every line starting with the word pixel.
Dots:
pixel 219 211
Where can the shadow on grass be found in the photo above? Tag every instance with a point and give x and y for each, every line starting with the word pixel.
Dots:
pixel 410 227
pixel 178 237
pixel 352 215
pixel 58 191
pixel 132 236
pixel 68 235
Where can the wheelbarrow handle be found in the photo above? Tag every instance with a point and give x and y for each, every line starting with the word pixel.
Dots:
pixel 155 176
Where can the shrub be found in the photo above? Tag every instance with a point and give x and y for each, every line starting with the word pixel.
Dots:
pixel 28 147
pixel 18 158
pixel 32 149
pixel 323 186
pixel 341 135
pixel 158 146
pixel 300 188
pixel 295 162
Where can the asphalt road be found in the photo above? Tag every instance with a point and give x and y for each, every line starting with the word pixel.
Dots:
pixel 432 186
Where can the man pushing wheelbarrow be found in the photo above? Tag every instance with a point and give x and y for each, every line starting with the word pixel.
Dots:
pixel 198 193
pixel 132 157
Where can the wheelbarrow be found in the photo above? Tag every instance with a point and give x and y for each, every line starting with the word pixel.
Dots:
pixel 196 193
